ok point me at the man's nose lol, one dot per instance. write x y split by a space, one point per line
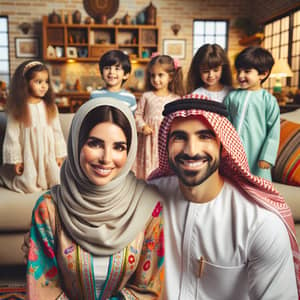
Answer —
191 147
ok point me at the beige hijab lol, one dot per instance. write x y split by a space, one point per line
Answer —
102 219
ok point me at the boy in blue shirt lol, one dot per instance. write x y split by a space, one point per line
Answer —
254 112
115 69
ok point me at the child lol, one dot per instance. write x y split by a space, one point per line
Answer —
163 81
33 142
254 112
115 69
210 73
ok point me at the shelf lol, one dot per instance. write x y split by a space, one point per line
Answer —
97 39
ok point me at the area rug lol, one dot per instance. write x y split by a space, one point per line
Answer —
12 293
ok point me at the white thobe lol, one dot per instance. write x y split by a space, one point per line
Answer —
246 248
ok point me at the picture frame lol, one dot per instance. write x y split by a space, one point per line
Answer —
27 47
71 52
174 48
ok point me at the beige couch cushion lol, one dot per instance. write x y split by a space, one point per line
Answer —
292 197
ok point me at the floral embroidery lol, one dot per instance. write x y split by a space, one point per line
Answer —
69 249
146 265
51 273
131 259
157 210
48 250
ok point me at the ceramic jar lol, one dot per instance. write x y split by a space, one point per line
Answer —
151 14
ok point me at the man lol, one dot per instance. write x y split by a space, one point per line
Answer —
228 234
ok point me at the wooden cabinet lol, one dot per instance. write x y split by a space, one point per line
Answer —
87 42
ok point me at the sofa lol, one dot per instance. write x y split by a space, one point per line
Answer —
16 208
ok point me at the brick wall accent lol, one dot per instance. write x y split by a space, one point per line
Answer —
168 11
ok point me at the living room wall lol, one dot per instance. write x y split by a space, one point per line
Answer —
168 11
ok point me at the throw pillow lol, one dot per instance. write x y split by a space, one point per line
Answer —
287 166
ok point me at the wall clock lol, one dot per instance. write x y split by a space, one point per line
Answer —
98 8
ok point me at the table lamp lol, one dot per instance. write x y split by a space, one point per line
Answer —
280 69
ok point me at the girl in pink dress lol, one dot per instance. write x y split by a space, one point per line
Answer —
163 83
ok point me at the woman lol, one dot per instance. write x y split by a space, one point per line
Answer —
98 235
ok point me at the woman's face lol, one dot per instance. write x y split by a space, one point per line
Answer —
104 154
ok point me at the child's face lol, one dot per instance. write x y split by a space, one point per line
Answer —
39 84
249 79
113 77
211 77
159 78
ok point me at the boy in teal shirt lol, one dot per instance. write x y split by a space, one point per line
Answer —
254 112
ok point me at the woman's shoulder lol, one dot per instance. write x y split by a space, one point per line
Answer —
45 200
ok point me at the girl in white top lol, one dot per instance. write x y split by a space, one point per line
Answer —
33 144
210 73
163 83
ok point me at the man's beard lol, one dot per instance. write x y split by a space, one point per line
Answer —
193 178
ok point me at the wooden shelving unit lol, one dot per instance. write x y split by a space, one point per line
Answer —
87 42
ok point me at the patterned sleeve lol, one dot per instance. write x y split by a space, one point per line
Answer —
42 278
60 144
139 114
148 280
12 146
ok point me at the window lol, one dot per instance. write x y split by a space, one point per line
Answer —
282 38
210 32
4 51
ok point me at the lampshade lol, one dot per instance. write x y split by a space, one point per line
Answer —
281 69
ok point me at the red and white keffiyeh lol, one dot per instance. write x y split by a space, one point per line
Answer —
233 166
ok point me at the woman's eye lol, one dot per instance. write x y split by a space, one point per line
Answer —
94 144
121 147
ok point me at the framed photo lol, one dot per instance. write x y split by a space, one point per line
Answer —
27 47
71 52
174 48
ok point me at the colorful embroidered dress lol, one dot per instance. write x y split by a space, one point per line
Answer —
63 270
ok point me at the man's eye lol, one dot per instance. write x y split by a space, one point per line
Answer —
206 136
179 137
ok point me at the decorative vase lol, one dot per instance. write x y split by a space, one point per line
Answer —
54 18
151 14
76 17
127 19
140 18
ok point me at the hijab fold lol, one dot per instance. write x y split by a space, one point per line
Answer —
102 219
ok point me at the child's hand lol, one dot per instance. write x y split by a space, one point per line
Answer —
59 161
19 168
147 130
263 164
25 246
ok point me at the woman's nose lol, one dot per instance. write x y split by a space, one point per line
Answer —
105 155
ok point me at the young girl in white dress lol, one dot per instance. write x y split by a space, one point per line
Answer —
210 75
163 83
34 144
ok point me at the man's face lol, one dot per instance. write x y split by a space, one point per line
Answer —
193 150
